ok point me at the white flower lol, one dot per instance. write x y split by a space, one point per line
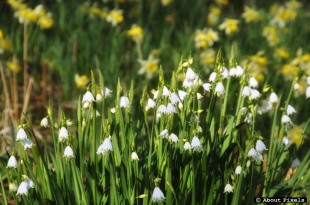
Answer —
134 156
124 102
158 195
228 188
171 109
239 71
212 77
260 146
88 97
182 94
199 96
243 110
255 94
150 104
308 92
162 109
273 98
155 94
63 134
27 144
286 141
44 122
290 110
166 92
246 91
296 87
248 118
23 189
232 72
196 145
21 135
105 147
30 183
98 97
12 187
12 162
207 86
164 133
308 80
238 170
187 146
68 153
252 152
190 74
219 89
285 119
225 73
113 110
173 138
253 82
106 92
174 98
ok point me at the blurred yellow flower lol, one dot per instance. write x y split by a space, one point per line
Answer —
290 71
251 15
26 16
40 11
5 44
166 2
222 2
135 33
282 53
293 5
214 15
207 57
149 66
271 34
94 10
46 22
81 81
257 65
115 17
230 26
295 135
13 66
283 15
16 4
205 38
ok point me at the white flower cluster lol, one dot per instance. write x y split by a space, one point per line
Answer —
22 136
256 154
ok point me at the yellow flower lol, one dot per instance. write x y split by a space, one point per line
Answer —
166 2
290 71
17 5
13 66
26 16
293 5
296 135
149 66
257 65
282 53
222 2
94 10
251 15
81 81
205 38
136 33
230 26
271 34
207 57
39 11
214 15
283 16
5 43
46 22
115 17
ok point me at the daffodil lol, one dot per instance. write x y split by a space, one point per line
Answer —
251 15
230 26
115 17
136 33
81 81
149 66
205 38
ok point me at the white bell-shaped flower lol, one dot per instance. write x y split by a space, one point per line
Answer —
68 153
187 146
63 134
246 92
260 146
21 135
124 102
219 89
12 162
212 77
105 147
182 94
273 98
196 144
253 82
228 188
158 195
238 170
134 156
27 143
44 122
207 86
290 110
